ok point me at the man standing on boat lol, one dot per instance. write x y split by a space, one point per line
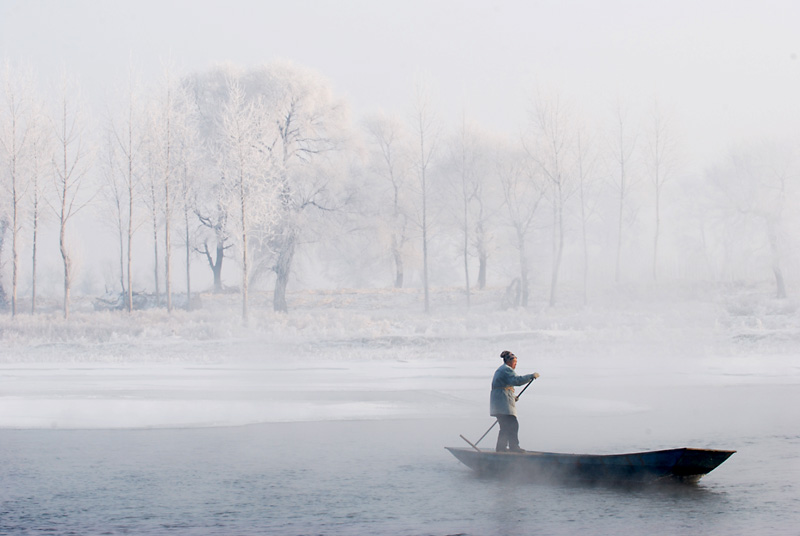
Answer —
502 403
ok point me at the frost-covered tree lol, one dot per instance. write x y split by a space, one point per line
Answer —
660 162
187 176
389 161
485 205
151 198
588 185
164 126
71 164
467 165
523 190
426 127
3 227
551 146
168 115
14 151
113 197
248 136
207 94
40 155
310 122
622 181
124 173
753 186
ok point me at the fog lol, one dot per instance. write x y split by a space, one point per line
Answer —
397 192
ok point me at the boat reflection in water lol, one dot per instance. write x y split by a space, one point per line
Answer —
681 464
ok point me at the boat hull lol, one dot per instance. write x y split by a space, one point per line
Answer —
682 464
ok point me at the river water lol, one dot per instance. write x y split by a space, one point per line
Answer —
365 454
372 477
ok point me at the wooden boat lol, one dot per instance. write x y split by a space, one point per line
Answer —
681 464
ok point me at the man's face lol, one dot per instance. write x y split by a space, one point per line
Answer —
512 362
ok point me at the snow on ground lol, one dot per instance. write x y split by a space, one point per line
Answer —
374 354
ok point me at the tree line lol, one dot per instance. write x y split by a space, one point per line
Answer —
255 165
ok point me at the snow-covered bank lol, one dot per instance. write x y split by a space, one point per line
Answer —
744 317
390 324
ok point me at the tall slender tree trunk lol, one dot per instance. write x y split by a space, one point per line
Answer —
398 262
121 238
13 146
623 190
34 242
167 251
188 258
558 246
657 231
245 276
424 179
425 241
482 262
553 269
128 288
424 125
584 239
130 241
619 225
523 268
287 239
64 216
483 255
466 266
780 285
167 221
155 241
68 176
585 250
217 266
14 232
37 150
282 269
398 239
3 227
65 257
466 251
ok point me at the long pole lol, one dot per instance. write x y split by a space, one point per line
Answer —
487 431
475 445
516 398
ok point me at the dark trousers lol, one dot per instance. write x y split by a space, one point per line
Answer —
508 438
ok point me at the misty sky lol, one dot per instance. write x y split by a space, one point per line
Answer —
727 72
